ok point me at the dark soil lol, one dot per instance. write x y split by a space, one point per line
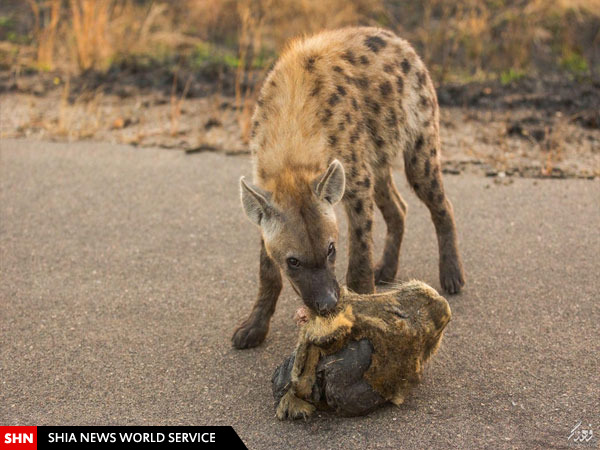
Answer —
549 95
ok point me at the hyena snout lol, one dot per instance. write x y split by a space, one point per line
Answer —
327 303
323 294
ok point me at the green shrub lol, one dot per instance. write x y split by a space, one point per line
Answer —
511 75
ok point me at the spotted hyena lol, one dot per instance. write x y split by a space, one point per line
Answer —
333 114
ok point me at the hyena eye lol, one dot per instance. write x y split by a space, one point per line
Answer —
331 250
293 263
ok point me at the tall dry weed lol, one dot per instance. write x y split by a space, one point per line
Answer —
46 18
176 103
79 35
90 20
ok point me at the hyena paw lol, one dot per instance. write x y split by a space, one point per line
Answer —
384 274
249 334
451 277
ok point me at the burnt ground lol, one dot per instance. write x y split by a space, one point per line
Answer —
529 128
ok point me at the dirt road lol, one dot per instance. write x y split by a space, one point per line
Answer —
124 272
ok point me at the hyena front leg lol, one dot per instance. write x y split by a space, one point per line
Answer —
423 171
358 202
393 210
253 330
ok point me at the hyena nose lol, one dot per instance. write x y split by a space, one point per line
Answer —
327 303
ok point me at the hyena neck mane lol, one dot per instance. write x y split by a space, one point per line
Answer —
288 138
293 186
293 193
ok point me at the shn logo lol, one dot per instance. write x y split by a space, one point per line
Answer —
18 438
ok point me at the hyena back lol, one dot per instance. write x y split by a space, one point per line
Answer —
332 115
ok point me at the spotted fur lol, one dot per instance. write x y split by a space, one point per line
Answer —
361 96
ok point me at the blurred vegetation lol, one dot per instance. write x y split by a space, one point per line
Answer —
460 40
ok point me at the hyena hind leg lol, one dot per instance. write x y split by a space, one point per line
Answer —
393 210
424 175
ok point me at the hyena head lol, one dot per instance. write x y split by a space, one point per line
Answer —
300 232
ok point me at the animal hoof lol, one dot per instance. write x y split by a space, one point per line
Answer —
249 335
452 278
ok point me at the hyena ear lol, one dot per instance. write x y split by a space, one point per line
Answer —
255 202
330 186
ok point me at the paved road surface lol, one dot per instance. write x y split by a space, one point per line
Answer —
125 270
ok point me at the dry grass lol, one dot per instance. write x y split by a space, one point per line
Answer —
45 35
78 35
459 39
76 118
90 20
79 119
249 39
176 103
468 39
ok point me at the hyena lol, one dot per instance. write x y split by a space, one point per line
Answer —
331 117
